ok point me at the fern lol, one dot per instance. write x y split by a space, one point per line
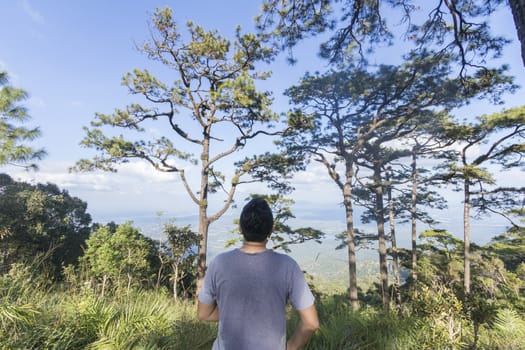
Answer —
12 317
508 322
506 332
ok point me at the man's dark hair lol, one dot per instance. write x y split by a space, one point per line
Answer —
256 220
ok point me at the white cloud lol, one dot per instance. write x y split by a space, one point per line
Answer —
315 178
32 13
135 188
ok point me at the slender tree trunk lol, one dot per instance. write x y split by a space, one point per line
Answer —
395 257
128 274
159 276
104 280
161 268
204 222
466 235
352 262
129 283
118 281
413 215
175 280
380 220
518 12
4 256
203 247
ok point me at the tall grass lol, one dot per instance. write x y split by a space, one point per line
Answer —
342 328
374 329
141 320
36 315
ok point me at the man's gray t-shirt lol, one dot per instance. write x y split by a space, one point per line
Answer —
251 291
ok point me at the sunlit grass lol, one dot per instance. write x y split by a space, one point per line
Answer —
140 320
55 317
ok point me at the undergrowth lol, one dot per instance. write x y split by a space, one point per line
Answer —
38 315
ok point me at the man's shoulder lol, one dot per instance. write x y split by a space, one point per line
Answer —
283 257
235 254
225 255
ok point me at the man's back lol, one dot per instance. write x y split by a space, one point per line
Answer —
251 291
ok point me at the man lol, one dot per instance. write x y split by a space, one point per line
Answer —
246 290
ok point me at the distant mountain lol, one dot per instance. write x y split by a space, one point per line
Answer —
323 261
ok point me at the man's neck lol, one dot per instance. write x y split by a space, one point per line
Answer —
253 247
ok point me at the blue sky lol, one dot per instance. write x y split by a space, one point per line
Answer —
70 57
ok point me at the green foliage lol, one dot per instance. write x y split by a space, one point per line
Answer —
21 290
510 247
371 329
274 169
14 139
350 118
354 29
35 314
215 85
181 256
98 253
40 218
440 315
500 142
506 333
211 108
52 317
16 317
140 320
122 255
464 320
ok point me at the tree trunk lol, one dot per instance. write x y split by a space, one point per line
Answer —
380 220
4 266
128 273
161 268
204 222
414 222
518 12
395 258
118 281
175 280
203 246
130 278
466 235
104 280
159 274
352 263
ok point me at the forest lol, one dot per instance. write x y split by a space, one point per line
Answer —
389 137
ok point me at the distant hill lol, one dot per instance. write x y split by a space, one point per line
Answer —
323 262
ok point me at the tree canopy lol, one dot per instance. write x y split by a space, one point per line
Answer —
211 108
15 138
41 219
358 27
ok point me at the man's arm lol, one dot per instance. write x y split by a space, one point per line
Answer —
208 312
308 324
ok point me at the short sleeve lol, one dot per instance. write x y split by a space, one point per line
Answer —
300 295
208 294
